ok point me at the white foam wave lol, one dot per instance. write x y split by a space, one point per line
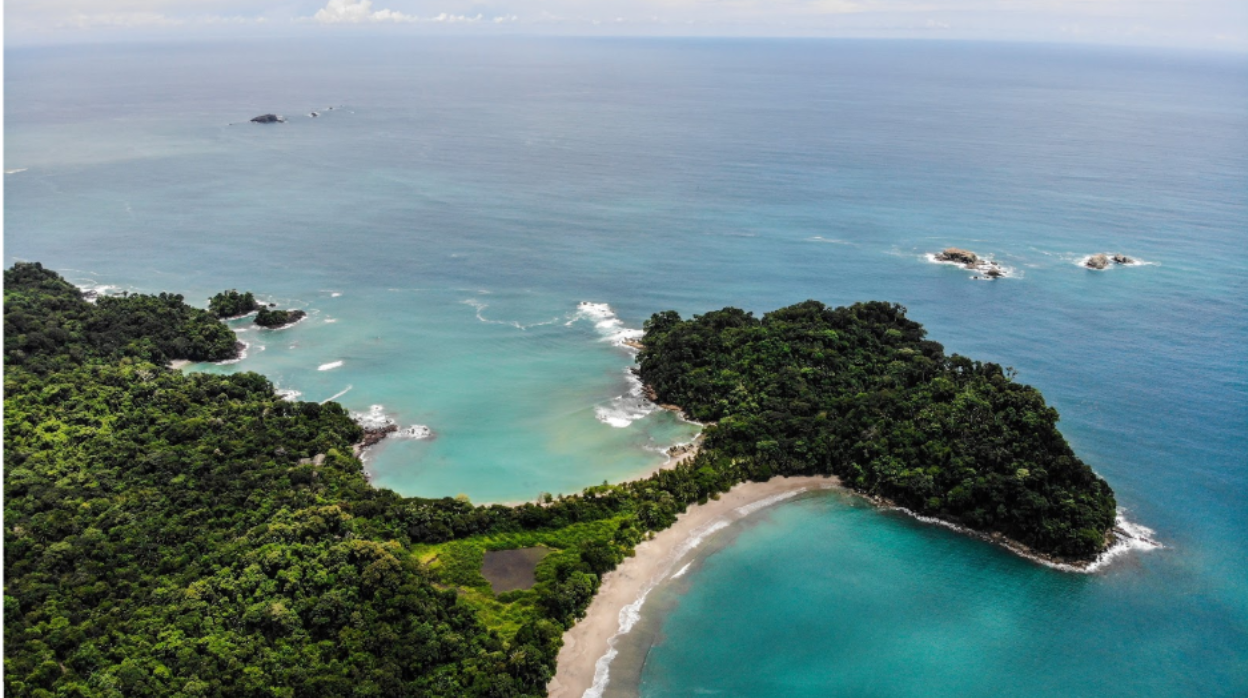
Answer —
480 308
1128 536
374 418
329 366
289 394
15 170
331 319
607 324
335 294
833 241
93 292
416 431
767 501
338 394
242 354
697 536
631 613
681 572
625 409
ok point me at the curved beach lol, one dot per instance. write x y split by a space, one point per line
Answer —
591 639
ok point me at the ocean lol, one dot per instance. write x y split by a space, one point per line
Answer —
476 224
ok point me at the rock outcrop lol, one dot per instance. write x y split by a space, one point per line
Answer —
1097 261
972 261
267 119
960 256
1101 260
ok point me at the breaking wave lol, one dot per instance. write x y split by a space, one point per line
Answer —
606 322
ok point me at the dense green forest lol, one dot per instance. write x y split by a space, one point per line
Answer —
231 303
859 392
278 318
175 535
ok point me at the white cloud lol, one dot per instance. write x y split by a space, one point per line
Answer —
455 19
356 12
82 20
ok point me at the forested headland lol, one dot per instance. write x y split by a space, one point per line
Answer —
172 534
860 393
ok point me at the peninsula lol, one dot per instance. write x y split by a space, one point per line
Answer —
196 534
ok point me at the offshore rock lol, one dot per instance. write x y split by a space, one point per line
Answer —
268 119
1097 261
954 254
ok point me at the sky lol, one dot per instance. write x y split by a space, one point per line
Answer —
1199 24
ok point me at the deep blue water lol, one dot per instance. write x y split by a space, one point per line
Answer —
465 196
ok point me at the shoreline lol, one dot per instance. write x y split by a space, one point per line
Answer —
588 647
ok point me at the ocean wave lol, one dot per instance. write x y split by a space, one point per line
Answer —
480 308
681 572
331 319
338 394
329 366
766 502
606 323
93 292
625 409
374 418
832 241
1130 536
418 432
288 394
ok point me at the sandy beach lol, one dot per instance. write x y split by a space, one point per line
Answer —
590 639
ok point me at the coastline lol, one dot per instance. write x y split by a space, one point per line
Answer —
591 640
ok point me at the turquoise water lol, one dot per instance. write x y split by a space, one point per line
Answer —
464 197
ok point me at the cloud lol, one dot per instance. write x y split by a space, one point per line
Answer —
82 20
356 12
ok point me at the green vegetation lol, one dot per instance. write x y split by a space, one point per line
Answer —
231 303
171 535
166 534
278 318
48 326
859 393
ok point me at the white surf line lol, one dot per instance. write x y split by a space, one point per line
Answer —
1130 536
338 395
